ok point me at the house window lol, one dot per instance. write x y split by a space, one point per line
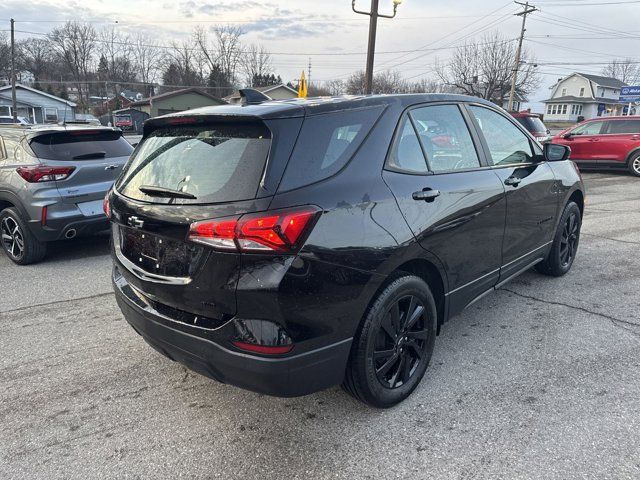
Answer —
549 109
582 92
564 109
564 92
579 109
51 115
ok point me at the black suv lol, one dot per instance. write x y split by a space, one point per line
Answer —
288 246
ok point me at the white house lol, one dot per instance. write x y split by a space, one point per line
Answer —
37 106
276 92
582 96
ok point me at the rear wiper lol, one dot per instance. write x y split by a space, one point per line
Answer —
89 156
165 192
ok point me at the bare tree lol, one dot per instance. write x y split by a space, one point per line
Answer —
115 52
75 44
336 87
5 58
35 56
627 70
229 50
429 86
389 81
182 66
255 63
146 57
484 69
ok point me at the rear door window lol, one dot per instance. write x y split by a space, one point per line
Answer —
624 126
214 163
325 145
407 155
445 138
80 145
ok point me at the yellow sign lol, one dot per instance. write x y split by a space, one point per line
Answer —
302 86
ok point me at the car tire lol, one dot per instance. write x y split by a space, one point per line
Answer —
634 164
393 346
565 243
20 245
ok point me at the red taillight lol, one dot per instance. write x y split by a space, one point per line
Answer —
106 207
217 233
43 216
43 173
264 349
277 231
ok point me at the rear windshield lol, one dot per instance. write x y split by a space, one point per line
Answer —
325 145
80 145
532 124
213 163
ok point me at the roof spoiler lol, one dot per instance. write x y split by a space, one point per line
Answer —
250 96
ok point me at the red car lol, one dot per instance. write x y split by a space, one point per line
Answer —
533 124
611 142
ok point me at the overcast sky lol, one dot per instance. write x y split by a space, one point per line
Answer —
565 33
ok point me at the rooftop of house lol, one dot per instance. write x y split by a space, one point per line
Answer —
175 93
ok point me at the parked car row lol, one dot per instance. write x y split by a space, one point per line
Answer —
287 246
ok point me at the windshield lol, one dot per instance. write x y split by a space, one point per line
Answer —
213 163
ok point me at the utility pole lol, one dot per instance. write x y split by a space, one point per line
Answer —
309 74
514 78
373 27
14 102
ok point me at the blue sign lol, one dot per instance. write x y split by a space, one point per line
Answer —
630 94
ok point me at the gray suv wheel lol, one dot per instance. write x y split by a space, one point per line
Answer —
17 241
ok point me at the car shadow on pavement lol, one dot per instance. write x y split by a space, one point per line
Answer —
81 247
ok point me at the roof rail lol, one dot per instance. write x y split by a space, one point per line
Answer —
250 96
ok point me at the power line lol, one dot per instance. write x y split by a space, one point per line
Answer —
453 33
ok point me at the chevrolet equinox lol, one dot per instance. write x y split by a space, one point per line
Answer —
288 246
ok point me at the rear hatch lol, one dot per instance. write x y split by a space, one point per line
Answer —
185 171
97 157
534 125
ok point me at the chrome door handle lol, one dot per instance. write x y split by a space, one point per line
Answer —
110 167
513 181
427 195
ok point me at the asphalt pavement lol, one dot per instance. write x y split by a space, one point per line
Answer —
538 380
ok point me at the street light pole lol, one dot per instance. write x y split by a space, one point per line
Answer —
373 27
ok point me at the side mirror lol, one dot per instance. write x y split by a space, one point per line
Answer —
567 135
556 153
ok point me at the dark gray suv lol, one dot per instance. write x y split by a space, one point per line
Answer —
53 180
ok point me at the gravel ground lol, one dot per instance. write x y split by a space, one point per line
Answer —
539 380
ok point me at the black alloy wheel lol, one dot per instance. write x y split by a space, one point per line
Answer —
569 240
565 243
400 342
393 346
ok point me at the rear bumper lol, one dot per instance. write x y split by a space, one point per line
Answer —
57 229
287 376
